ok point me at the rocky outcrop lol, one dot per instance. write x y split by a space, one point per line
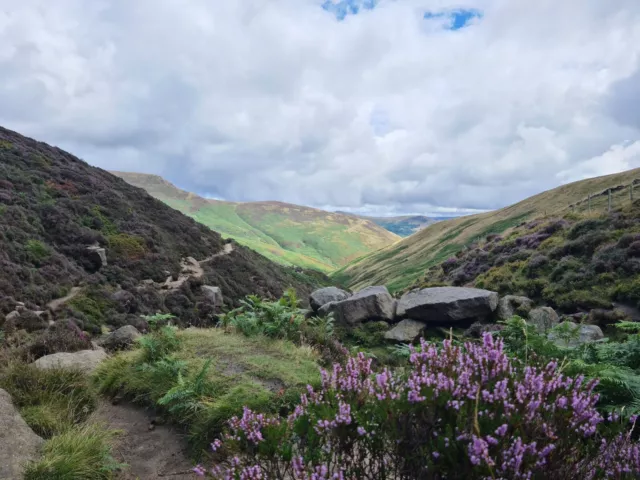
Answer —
543 318
18 444
322 296
85 360
447 305
369 304
97 256
407 331
213 295
511 305
576 335
122 338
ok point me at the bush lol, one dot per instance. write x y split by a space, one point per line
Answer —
129 247
37 251
159 344
460 412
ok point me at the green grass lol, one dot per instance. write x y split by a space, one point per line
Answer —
265 374
81 453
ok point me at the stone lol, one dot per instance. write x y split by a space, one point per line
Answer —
27 320
478 329
511 305
584 334
85 360
447 305
326 309
371 303
97 255
322 296
122 338
543 318
18 443
213 295
125 301
12 316
407 331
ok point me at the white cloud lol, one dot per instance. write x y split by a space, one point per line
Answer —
276 99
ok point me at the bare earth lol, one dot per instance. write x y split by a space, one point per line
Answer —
150 454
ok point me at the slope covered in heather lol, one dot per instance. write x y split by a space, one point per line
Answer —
286 233
53 206
400 265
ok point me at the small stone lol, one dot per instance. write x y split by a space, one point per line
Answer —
406 331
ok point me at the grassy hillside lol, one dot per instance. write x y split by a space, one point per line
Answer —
400 265
288 234
53 206
403 225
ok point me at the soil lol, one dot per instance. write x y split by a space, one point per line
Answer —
151 452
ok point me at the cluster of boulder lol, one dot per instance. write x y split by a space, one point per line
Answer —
474 309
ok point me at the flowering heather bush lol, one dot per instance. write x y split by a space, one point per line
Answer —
458 412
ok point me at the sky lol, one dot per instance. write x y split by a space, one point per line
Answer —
371 106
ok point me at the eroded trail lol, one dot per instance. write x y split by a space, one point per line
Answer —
149 454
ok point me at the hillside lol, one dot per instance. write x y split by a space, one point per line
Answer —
403 225
400 265
288 234
53 207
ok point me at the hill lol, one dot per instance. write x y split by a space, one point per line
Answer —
400 265
59 217
403 225
288 234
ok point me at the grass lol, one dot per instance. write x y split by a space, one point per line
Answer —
265 374
81 453
424 249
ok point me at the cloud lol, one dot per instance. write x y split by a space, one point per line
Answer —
377 108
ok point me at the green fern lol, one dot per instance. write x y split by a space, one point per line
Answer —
188 396
628 327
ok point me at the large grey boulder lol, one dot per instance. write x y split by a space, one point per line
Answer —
543 318
371 303
97 255
406 331
511 305
577 334
213 294
85 360
125 301
322 296
18 444
447 305
122 338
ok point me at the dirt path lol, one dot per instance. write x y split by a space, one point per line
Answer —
192 268
228 248
150 454
54 305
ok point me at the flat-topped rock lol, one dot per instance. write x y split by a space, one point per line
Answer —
447 305
122 338
406 331
322 296
369 304
85 360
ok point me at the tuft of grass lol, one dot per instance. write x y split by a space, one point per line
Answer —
82 453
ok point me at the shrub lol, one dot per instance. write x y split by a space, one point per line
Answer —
37 251
129 247
460 412
159 344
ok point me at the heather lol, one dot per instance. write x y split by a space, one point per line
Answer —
458 411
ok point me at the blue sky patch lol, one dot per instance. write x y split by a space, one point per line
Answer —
342 8
456 19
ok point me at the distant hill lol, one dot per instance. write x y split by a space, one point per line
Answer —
289 234
54 206
403 225
400 265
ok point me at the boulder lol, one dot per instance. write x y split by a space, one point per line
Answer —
97 255
407 331
371 303
12 316
322 296
543 318
447 305
85 360
511 305
122 338
326 309
579 334
478 329
213 295
125 301
19 445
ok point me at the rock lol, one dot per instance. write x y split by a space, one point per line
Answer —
27 320
11 316
98 256
584 334
447 305
322 296
511 305
125 301
407 331
371 303
19 445
85 360
543 318
478 329
122 338
213 294
326 309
